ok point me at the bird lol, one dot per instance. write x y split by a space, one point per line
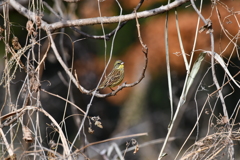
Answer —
115 77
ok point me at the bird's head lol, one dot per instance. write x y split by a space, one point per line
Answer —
119 64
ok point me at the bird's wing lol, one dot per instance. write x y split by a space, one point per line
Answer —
114 76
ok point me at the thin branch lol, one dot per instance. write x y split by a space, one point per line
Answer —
55 95
112 139
148 143
98 20
8 147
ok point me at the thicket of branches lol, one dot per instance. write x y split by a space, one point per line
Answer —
48 28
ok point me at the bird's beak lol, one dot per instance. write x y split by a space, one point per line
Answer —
122 63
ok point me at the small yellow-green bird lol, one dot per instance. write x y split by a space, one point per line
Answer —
115 77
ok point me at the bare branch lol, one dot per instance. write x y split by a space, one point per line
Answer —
112 139
115 19
98 20
64 100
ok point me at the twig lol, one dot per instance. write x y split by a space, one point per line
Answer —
11 120
64 100
8 147
148 143
225 84
111 139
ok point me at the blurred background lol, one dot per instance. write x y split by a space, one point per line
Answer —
144 108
